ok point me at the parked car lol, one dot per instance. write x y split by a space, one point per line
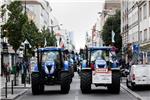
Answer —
139 75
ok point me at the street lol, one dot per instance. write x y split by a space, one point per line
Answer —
98 93
83 49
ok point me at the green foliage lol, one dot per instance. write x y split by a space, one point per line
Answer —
3 10
50 38
18 29
112 23
14 24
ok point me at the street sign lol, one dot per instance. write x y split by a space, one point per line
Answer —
136 48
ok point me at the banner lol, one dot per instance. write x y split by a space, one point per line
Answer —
113 36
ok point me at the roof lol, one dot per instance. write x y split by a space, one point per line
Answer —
50 49
101 48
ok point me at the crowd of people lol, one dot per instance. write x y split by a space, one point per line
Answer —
17 69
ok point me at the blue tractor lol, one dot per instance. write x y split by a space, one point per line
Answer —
51 69
100 68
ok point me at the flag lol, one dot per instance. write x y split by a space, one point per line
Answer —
112 36
94 31
61 43
45 43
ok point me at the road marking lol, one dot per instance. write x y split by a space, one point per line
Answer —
77 92
76 98
137 96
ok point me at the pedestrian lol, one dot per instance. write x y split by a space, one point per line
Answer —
8 72
3 70
17 69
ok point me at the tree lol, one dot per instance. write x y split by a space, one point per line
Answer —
3 10
14 25
112 23
50 38
31 33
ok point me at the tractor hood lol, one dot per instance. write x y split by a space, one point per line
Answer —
49 67
100 63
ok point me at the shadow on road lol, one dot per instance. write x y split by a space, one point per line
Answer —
142 88
52 92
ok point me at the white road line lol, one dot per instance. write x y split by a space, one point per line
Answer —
77 92
137 96
76 98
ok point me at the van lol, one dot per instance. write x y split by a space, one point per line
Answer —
139 75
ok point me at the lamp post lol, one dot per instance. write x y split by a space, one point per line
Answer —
26 46
53 26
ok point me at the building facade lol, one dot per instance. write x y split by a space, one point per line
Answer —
135 25
109 9
144 29
37 10
7 53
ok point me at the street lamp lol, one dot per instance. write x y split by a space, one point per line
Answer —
26 46
52 27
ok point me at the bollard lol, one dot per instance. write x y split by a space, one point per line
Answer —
29 78
15 83
6 89
23 78
25 83
12 91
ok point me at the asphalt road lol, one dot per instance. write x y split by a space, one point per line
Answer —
142 91
98 93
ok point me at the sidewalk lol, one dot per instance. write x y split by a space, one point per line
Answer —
18 90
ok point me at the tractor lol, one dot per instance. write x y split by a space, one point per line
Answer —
51 69
101 68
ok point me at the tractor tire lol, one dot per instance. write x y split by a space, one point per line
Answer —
133 86
85 81
41 88
115 86
65 82
35 83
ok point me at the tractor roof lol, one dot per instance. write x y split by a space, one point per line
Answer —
100 48
50 49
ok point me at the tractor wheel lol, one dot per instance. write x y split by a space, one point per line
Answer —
115 86
85 82
65 82
35 84
41 88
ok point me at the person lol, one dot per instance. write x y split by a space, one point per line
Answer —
57 61
3 70
8 71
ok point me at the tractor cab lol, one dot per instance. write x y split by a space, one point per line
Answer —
51 69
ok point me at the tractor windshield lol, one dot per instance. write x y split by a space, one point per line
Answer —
103 54
49 56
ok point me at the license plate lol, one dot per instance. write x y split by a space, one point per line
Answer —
102 76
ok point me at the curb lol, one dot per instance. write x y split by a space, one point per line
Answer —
15 96
137 96
18 87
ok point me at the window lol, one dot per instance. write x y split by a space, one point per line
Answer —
140 14
145 34
140 36
144 11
